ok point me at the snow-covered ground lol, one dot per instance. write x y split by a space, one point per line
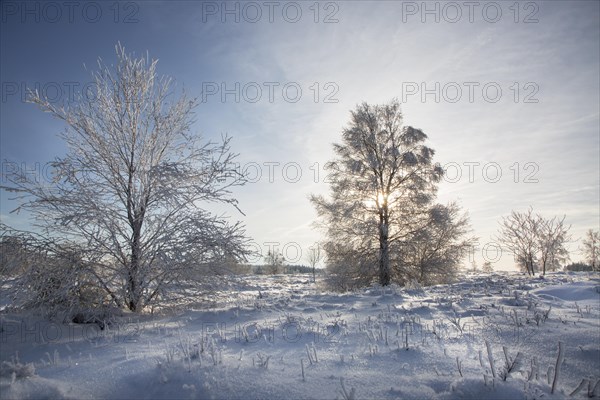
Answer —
282 337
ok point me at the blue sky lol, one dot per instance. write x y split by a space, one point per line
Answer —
498 88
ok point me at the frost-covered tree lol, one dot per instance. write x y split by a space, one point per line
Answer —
348 267
383 181
434 253
519 233
552 237
487 267
134 183
313 258
274 262
591 249
535 240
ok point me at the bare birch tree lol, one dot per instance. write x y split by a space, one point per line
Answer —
553 234
134 184
313 258
535 240
519 233
591 249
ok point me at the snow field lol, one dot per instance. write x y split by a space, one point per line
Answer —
284 337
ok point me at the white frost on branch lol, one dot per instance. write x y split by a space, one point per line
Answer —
134 182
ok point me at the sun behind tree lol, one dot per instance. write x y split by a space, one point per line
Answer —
383 184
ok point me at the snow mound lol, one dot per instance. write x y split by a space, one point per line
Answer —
576 291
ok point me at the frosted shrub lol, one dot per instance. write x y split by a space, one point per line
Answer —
14 369
53 276
413 284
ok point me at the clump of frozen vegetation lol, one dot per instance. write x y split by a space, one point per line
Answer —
14 369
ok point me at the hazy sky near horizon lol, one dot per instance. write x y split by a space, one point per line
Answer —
507 92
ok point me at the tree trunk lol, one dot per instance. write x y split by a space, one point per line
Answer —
133 284
528 266
544 267
132 302
384 255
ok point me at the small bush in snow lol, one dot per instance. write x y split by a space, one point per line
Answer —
14 369
263 360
